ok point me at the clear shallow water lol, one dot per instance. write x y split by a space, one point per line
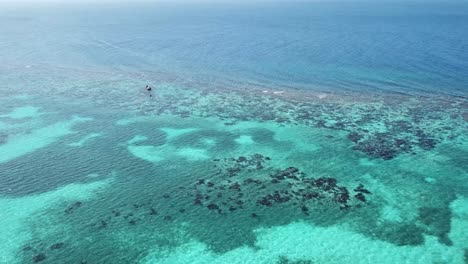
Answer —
271 135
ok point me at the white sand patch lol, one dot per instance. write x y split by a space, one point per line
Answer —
209 142
245 140
85 139
331 245
93 175
459 227
160 153
19 145
14 228
390 214
176 132
193 154
22 97
430 180
136 139
322 96
23 112
304 138
148 153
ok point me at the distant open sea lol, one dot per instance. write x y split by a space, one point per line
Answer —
267 132
395 47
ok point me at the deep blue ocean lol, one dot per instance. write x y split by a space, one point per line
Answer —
372 46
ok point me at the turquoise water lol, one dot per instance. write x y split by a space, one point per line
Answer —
300 133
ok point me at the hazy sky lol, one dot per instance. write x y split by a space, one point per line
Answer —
233 1
22 2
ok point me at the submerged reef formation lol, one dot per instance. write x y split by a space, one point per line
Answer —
39 253
232 166
250 187
382 127
245 186
287 187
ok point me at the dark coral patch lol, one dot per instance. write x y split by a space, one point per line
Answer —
57 246
361 189
264 201
342 196
73 207
213 206
427 143
39 258
198 199
235 186
378 146
201 181
291 173
309 196
354 137
102 224
325 184
234 166
360 197
153 211
116 213
27 248
284 186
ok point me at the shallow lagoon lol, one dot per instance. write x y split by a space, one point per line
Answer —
210 176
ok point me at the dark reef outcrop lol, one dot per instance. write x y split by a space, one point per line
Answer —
286 187
73 207
39 257
233 166
57 246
